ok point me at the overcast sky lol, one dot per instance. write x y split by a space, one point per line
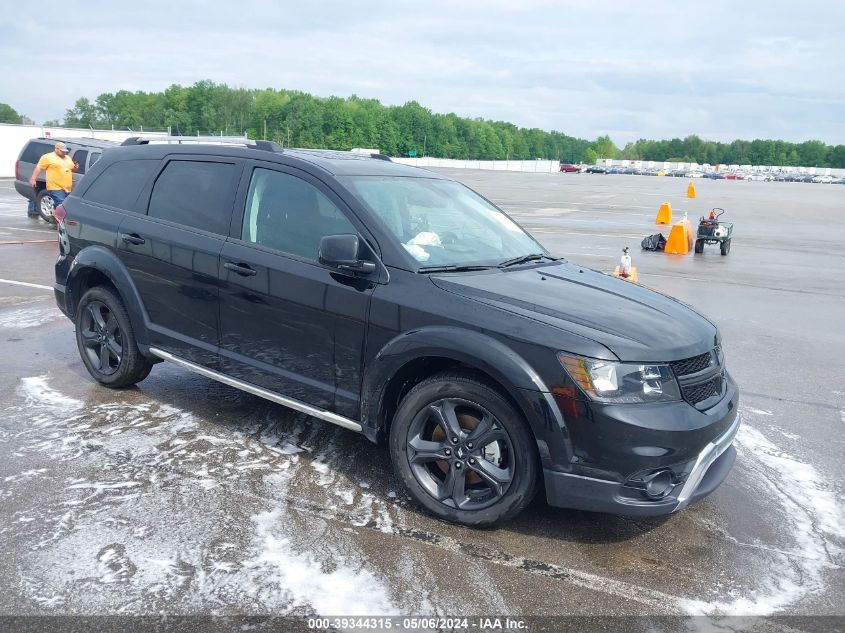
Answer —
719 69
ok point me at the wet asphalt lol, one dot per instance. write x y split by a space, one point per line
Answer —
184 496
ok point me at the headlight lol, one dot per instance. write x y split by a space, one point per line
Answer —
618 383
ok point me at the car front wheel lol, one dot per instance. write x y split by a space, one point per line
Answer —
463 451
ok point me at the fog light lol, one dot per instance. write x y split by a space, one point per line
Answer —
658 484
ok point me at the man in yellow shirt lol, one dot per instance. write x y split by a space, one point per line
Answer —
59 168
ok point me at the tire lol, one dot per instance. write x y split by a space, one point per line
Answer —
699 246
106 341
494 481
44 206
725 246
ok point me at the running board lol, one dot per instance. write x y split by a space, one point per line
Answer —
328 416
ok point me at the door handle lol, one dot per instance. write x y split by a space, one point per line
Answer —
132 238
242 269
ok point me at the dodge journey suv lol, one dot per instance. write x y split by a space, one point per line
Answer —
397 303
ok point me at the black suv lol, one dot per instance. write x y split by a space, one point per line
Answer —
398 303
84 151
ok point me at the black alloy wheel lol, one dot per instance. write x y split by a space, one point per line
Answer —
106 340
102 338
463 450
460 454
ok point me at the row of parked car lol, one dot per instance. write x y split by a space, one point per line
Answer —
715 175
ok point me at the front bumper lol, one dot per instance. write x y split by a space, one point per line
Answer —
698 477
615 449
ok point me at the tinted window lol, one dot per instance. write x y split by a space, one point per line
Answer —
36 150
289 214
80 156
121 182
195 194
94 158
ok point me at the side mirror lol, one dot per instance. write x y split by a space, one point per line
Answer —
341 252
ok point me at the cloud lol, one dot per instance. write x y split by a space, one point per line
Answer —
721 70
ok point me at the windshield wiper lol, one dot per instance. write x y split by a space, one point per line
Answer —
523 259
451 268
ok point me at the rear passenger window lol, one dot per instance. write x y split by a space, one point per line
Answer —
81 156
196 194
94 158
34 151
121 182
288 214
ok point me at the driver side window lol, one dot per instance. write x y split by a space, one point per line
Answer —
290 215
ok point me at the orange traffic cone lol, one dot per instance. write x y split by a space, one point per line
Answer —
690 190
680 238
664 214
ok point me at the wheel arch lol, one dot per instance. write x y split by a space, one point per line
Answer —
412 357
95 266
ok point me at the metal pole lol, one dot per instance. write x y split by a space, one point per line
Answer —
265 129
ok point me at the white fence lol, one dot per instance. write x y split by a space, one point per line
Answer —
533 166
14 137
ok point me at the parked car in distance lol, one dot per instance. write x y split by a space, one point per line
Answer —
825 180
569 169
595 169
85 151
397 303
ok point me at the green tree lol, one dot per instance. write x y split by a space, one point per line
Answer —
83 114
295 118
8 114
605 148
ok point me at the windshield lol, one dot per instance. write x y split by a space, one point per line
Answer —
442 222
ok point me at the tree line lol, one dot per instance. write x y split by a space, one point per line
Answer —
297 119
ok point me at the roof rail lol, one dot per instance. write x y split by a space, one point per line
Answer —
267 146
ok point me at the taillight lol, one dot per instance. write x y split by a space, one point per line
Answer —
59 214
17 170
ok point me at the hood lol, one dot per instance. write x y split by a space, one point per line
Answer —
634 323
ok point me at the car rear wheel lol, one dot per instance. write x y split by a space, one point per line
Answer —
463 451
44 205
106 341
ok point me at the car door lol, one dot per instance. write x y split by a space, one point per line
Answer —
172 252
288 323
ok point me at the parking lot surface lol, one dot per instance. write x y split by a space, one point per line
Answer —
186 496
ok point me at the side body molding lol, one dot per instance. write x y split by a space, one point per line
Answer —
473 349
106 262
